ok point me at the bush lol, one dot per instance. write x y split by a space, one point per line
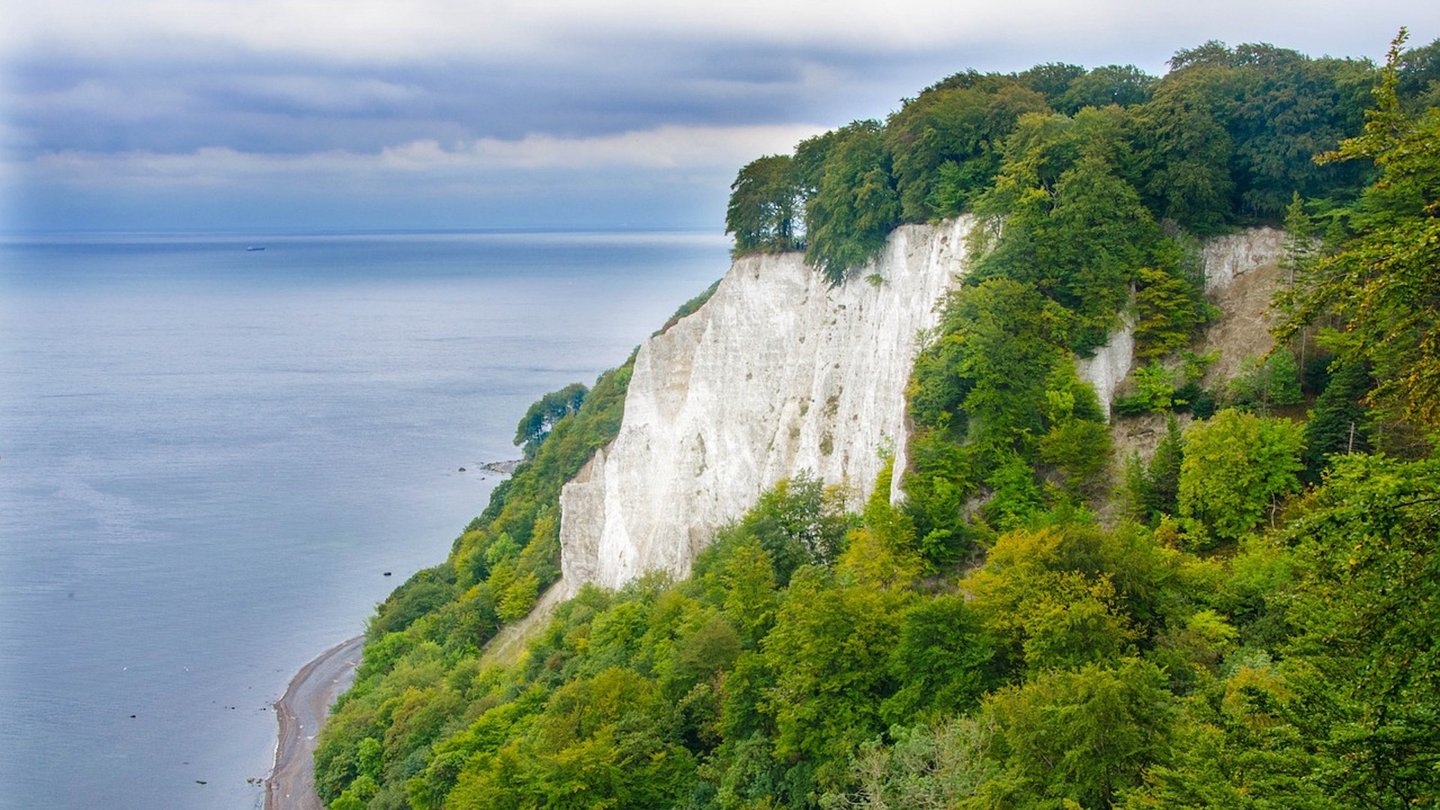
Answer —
1236 466
1268 383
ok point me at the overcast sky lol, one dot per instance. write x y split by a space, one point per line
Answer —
222 114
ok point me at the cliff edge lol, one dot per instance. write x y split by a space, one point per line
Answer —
777 374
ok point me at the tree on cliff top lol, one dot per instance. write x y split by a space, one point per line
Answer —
854 205
764 205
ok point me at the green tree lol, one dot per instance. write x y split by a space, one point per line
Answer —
1168 311
749 597
1419 77
1083 736
935 766
764 206
1339 424
1070 593
1233 748
882 553
1125 85
946 144
1267 383
1078 440
600 742
1068 221
1237 465
1383 284
854 205
942 662
828 651
797 524
1052 79
1003 339
1365 662
1289 109
543 415
1153 487
1185 147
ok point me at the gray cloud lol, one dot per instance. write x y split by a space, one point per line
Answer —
270 110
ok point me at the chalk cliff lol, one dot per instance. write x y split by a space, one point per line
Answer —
1233 261
1233 255
778 373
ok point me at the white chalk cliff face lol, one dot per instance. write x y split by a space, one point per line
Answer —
776 374
1224 259
1109 365
1233 255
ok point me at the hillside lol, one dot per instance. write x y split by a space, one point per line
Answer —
983 479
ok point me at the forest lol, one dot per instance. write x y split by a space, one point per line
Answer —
1246 615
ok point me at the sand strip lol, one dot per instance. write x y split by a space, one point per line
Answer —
303 708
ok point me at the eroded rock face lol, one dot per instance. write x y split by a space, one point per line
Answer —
1109 365
1232 264
1227 257
1243 272
777 374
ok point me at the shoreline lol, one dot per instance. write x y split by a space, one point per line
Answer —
300 711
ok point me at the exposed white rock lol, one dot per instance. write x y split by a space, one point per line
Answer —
1243 272
776 374
1225 259
1236 254
1109 365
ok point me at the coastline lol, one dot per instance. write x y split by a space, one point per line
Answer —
300 711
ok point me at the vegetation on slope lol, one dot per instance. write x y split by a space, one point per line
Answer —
1263 632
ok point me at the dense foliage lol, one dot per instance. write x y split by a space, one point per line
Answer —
1261 631
436 623
1226 137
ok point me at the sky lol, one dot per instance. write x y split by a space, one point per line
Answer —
275 114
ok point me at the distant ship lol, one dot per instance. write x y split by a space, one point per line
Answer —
255 247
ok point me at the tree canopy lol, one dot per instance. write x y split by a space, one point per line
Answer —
1251 620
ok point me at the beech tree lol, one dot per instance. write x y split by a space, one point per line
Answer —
764 206
545 413
1125 85
1116 721
855 204
1236 467
946 144
1185 149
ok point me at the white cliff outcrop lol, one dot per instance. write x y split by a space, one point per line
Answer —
1229 261
776 374
1233 255
1242 273
1110 364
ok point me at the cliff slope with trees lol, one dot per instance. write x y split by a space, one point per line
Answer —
1245 612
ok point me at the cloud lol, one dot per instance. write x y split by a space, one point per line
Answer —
663 148
501 31
440 96
667 147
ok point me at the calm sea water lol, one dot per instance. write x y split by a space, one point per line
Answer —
209 456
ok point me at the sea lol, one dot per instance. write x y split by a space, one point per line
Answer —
219 452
